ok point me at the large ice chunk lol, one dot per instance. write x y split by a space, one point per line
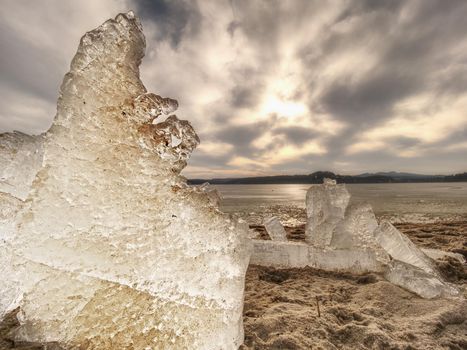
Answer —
297 254
356 229
20 159
325 205
111 249
437 254
333 225
9 207
401 248
213 194
416 280
411 268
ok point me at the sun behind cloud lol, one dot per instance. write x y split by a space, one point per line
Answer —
293 87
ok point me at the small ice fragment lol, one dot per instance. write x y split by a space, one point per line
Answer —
275 229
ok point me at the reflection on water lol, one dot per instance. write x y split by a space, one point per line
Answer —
425 198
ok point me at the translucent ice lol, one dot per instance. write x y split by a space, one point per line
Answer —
111 249
418 281
437 254
20 159
212 193
333 227
275 229
356 229
325 205
401 248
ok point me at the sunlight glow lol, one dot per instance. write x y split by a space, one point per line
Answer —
288 109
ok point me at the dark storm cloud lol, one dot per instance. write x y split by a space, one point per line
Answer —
249 82
360 7
243 136
410 56
296 134
422 44
454 81
245 96
174 19
403 142
249 86
258 21
232 27
370 100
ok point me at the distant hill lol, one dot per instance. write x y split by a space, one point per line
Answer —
317 177
400 175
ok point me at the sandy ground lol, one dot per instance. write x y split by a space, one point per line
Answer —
449 236
355 312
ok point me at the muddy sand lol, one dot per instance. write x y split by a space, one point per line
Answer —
355 312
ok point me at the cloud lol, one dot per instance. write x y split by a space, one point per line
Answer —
271 86
243 137
296 135
370 100
176 19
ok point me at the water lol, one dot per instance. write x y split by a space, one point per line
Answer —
403 198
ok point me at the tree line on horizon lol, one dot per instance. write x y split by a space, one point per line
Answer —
318 176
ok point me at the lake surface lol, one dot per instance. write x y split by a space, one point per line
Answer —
401 198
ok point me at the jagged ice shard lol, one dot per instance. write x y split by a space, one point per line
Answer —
335 226
275 229
325 207
105 246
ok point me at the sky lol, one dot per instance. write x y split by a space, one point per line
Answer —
271 87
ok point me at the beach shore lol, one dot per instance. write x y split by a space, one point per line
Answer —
312 309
